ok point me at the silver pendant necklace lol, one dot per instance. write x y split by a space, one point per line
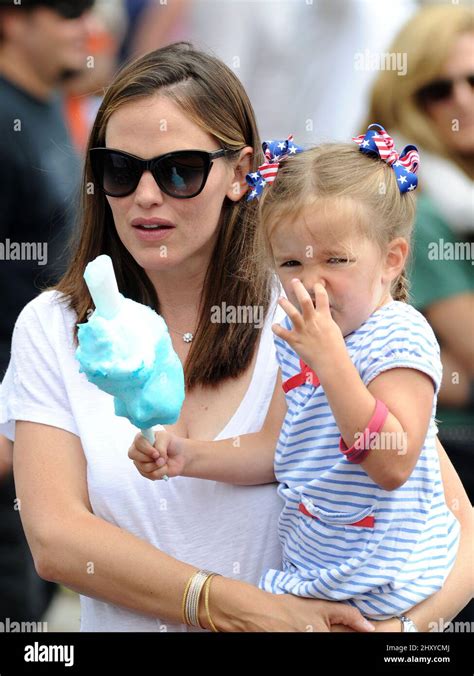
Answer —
187 337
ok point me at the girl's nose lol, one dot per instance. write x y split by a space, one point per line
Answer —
310 280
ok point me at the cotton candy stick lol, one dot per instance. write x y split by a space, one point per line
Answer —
100 278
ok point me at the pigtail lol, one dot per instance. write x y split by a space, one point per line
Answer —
400 289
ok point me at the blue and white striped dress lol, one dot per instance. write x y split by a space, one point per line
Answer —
407 554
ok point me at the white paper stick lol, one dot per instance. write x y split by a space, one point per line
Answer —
149 435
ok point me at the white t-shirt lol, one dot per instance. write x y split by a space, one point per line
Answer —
231 530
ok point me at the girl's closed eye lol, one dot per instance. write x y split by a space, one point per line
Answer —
334 260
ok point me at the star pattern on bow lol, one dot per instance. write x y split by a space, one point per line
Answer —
274 152
376 141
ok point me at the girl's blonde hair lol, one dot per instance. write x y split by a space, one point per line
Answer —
338 175
427 40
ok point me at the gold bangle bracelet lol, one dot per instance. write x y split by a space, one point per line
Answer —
192 595
185 595
206 602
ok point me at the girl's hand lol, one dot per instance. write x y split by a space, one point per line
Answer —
166 457
315 337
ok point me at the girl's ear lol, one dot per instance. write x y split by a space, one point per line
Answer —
238 185
395 258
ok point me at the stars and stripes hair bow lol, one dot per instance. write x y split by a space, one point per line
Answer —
377 141
275 152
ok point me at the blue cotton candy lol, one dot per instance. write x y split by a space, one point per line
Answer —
131 357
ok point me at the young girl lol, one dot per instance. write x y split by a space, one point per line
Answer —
364 516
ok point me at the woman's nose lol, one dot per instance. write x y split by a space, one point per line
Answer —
463 94
148 191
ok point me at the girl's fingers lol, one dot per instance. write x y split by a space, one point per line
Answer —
282 333
322 299
143 445
151 473
145 467
304 299
292 312
135 454
160 447
155 458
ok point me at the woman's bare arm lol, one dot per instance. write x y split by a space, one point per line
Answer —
452 319
458 589
6 456
86 553
71 545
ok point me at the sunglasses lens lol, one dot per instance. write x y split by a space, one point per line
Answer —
179 174
182 174
117 174
436 91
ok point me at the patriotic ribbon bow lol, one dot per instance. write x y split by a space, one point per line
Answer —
377 141
275 152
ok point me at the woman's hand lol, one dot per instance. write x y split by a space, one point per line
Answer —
247 609
391 625
313 615
166 458
237 606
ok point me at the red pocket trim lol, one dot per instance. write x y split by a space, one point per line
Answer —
366 522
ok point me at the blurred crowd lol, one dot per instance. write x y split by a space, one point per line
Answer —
321 71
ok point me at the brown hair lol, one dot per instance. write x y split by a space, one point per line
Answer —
337 175
427 40
209 93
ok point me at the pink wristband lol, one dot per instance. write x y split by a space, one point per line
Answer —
358 452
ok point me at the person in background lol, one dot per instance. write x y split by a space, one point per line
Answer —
42 44
308 66
433 106
84 92
154 24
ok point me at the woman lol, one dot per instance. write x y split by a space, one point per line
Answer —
130 546
433 106
433 103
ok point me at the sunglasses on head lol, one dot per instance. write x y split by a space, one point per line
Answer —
441 89
181 174
67 9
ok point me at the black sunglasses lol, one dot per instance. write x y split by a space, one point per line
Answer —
442 89
68 9
181 174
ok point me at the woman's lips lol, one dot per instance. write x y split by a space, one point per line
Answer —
152 235
152 229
